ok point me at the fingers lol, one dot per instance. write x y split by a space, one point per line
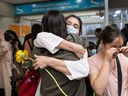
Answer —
83 50
110 53
39 62
114 52
36 56
124 49
36 67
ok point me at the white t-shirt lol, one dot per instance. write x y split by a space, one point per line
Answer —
78 69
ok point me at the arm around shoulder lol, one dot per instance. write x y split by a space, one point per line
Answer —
53 43
48 41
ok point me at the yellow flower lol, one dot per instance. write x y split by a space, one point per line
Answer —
21 56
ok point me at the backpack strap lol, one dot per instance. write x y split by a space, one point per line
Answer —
119 73
30 45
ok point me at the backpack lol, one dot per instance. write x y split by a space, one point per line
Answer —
29 84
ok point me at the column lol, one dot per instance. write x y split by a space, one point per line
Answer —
106 16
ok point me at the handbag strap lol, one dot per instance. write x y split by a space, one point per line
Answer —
119 72
30 45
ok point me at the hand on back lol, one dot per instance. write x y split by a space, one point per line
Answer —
79 50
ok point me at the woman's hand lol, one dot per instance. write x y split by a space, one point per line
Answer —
41 62
124 50
73 47
44 61
79 50
110 53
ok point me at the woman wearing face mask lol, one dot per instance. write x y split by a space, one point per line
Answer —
91 49
103 66
74 26
54 23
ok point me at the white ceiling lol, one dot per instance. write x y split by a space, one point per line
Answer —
21 1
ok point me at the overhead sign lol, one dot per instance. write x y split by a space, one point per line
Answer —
62 5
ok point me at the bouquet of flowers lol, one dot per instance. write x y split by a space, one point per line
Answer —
29 83
22 57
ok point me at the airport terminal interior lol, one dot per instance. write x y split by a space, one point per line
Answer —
19 16
92 18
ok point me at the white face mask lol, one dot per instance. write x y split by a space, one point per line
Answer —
71 29
93 51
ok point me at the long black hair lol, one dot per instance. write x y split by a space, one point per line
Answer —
53 21
11 36
36 28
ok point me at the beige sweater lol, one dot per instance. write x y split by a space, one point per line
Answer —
5 67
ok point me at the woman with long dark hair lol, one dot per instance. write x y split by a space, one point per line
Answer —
15 44
55 23
11 36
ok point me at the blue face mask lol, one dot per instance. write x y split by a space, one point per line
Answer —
93 51
71 29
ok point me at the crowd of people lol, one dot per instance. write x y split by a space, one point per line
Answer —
67 64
